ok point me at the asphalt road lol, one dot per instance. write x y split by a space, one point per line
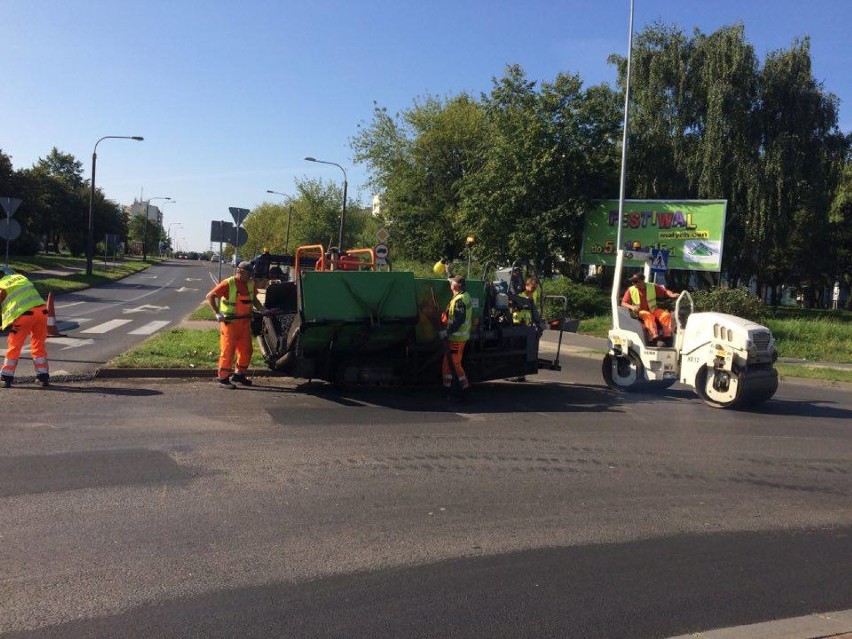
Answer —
101 323
142 508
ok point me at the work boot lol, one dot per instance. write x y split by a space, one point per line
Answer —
7 381
224 382
240 378
43 379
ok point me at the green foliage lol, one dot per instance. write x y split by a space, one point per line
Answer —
313 215
584 301
813 339
179 348
418 160
734 301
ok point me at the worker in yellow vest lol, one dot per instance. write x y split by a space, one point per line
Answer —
457 333
641 298
24 313
232 301
533 293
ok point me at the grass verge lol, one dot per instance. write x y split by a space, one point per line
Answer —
178 348
73 277
203 312
813 372
817 340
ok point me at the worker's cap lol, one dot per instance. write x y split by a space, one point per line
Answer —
248 267
637 277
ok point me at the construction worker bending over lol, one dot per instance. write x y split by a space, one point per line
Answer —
457 333
641 298
25 314
232 301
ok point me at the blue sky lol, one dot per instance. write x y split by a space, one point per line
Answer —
231 96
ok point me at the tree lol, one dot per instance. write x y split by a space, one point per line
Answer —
417 161
548 152
708 122
316 210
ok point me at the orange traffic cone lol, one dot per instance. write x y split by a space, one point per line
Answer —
52 331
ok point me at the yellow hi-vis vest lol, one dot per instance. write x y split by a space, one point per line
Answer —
650 295
525 316
228 305
463 332
21 296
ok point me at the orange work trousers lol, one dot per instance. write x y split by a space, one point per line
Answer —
234 337
32 324
650 318
456 350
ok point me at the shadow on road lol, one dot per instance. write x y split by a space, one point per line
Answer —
651 588
95 390
800 408
500 397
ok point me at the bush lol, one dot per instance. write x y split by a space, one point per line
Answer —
734 301
584 301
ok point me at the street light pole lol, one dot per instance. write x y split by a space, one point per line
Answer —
289 219
169 235
90 242
160 232
345 185
145 235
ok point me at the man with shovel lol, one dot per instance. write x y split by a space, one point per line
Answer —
232 300
455 335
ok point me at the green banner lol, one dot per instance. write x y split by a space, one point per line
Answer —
692 231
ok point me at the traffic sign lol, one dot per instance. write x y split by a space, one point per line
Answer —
10 205
238 214
239 236
10 229
382 235
381 251
659 261
221 231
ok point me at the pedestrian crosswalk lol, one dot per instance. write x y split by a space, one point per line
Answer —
106 327
72 329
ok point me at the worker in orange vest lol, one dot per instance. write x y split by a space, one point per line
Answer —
25 315
232 301
641 298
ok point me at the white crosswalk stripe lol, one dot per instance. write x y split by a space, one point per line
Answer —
107 326
150 327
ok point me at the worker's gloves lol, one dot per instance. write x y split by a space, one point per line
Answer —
220 317
443 334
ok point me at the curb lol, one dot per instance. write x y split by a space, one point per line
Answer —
172 373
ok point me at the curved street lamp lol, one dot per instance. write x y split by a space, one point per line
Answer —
145 236
90 243
289 218
345 184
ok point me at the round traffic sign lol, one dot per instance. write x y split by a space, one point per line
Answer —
381 251
10 229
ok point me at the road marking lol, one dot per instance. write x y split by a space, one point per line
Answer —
77 343
150 327
107 326
184 289
143 308
68 305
